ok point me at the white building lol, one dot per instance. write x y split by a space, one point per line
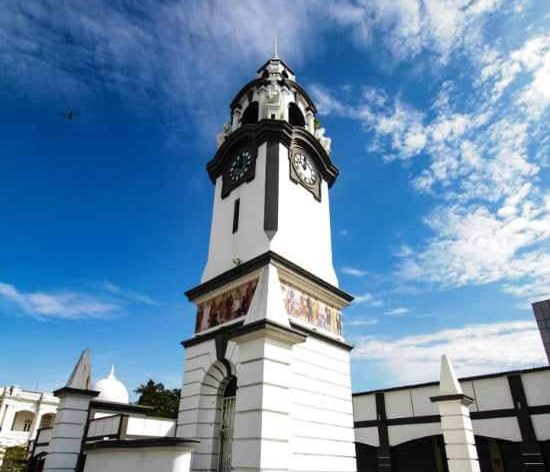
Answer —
22 413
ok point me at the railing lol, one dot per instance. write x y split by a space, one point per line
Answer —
107 427
123 426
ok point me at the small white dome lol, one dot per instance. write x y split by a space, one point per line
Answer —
111 390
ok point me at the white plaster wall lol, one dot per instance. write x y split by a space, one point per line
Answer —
501 428
165 459
541 425
147 427
537 387
493 394
364 407
250 240
303 234
368 436
304 225
422 405
398 404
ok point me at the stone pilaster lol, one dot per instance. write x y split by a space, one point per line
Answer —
69 429
456 424
262 430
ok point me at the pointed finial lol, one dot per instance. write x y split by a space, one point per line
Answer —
112 373
275 52
448 383
81 375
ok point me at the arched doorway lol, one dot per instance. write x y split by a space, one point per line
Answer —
226 426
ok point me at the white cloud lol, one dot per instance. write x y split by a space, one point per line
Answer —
362 322
474 246
400 311
473 349
353 271
479 152
127 294
56 305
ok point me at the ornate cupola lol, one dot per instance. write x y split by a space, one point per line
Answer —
272 172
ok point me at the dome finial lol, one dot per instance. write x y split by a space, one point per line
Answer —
112 373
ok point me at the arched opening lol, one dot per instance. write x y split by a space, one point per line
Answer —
250 115
23 421
420 455
47 420
226 424
367 457
295 116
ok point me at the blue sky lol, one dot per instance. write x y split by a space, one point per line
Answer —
438 111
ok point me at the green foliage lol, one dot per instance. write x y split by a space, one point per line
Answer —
316 123
165 402
14 459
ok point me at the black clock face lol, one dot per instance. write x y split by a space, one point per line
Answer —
305 169
240 165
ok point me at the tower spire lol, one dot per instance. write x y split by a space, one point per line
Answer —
275 44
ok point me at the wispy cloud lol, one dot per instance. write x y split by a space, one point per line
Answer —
397 311
361 322
129 295
71 305
353 271
474 349
369 299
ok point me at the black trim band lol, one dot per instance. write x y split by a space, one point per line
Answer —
270 325
256 263
139 443
321 336
75 391
272 131
271 203
120 407
225 330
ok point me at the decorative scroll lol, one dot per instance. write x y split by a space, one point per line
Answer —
225 307
308 308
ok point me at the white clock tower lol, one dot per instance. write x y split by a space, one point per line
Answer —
267 373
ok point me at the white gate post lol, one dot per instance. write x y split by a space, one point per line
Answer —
456 424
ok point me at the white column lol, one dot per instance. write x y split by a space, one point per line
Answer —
456 424
69 429
262 429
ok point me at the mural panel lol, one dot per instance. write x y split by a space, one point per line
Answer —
225 307
308 308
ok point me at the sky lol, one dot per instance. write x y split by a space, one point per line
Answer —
438 111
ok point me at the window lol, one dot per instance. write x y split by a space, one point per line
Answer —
27 425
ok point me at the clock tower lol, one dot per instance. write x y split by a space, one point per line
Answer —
267 373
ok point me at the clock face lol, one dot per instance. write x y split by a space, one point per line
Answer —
305 169
240 165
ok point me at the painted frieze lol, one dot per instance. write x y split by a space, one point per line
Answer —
308 308
225 307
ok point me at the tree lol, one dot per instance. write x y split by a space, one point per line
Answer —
14 459
165 402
